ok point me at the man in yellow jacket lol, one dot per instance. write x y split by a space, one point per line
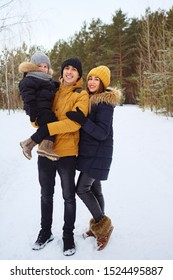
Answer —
68 97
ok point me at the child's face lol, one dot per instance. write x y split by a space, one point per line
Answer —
43 67
70 75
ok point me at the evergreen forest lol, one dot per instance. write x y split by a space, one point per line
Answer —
139 53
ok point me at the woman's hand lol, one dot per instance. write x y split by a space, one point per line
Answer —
77 116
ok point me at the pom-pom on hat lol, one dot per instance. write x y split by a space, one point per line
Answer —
39 57
75 62
103 73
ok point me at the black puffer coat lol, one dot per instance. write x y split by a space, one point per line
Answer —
96 138
37 90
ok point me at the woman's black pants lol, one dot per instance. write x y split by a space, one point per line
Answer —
90 192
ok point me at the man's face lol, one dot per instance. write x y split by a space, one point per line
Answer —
70 75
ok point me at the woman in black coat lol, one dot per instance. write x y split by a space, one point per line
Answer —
96 149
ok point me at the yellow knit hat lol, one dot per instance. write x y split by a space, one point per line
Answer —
103 73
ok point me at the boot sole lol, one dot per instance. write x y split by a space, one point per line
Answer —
37 247
88 234
43 154
69 252
101 244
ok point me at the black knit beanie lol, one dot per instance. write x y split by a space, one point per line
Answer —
75 62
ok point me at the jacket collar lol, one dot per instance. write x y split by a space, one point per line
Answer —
77 85
26 67
111 96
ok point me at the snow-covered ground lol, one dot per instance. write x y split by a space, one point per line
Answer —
138 193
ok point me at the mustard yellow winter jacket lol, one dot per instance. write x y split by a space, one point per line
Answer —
67 99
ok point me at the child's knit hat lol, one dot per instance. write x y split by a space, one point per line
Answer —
75 62
39 57
103 73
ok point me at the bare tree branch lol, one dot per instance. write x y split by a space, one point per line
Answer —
6 4
8 21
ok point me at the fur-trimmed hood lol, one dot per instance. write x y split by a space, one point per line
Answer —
26 67
110 96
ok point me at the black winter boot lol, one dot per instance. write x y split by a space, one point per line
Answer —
42 239
69 248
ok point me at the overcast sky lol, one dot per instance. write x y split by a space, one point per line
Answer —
60 19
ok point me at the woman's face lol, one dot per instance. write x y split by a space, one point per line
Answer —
93 84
